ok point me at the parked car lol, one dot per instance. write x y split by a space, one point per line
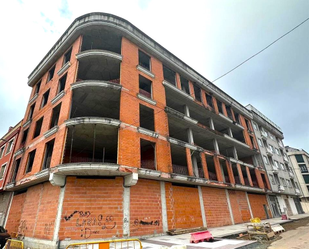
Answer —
3 236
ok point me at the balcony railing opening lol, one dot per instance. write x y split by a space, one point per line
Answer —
253 178
211 168
226 177
245 176
239 136
236 173
95 102
179 160
91 143
103 39
99 68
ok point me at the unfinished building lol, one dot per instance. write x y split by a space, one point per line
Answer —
121 138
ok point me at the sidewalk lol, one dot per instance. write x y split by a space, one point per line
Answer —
218 233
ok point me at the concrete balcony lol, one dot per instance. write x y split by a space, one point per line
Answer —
285 158
281 188
264 134
297 191
275 168
291 174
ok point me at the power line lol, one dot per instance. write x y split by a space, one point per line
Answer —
261 50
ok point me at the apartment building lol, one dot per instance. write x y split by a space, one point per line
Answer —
284 184
300 162
7 148
121 138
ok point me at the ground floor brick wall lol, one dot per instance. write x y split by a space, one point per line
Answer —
239 205
216 207
145 208
183 207
33 213
92 208
15 212
257 202
5 198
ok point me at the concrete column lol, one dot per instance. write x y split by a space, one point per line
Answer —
163 205
8 209
230 132
247 197
195 167
229 205
186 110
58 215
211 124
235 155
216 146
190 136
200 194
126 212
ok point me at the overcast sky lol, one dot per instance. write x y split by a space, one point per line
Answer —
211 36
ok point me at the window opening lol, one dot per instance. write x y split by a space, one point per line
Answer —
62 82
55 116
229 112
209 100
37 87
38 127
184 85
299 158
31 109
148 157
51 73
220 106
25 135
197 92
2 171
17 164
169 75
30 161
1 151
45 98
67 56
9 146
145 86
237 117
144 60
146 117
48 154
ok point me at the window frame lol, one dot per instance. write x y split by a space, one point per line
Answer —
140 52
3 172
9 146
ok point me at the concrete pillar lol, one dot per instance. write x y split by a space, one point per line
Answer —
200 194
216 146
58 215
190 136
163 205
235 155
126 212
195 167
186 110
230 132
211 124
248 201
229 206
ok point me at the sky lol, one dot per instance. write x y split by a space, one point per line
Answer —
211 36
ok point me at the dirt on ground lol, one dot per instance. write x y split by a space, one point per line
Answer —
291 230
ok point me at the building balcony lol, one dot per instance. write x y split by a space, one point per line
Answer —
285 158
281 188
297 191
291 174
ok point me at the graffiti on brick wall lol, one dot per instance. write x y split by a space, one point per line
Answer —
48 228
145 222
90 224
22 228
